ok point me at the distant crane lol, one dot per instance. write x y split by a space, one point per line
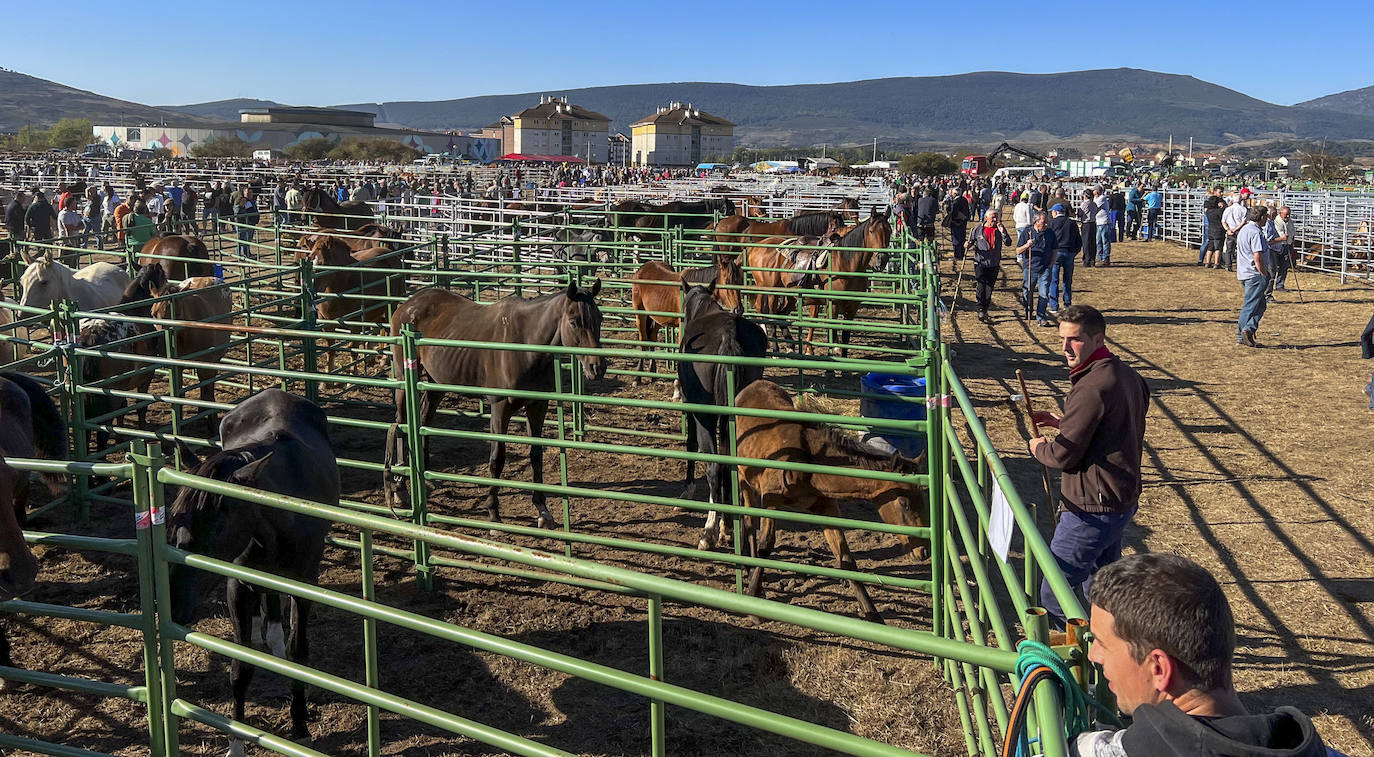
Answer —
979 165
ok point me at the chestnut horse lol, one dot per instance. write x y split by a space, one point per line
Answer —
801 255
898 502
873 235
656 288
192 258
352 288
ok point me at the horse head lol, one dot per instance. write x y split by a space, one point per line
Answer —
729 273
45 281
698 299
580 326
877 236
330 250
207 524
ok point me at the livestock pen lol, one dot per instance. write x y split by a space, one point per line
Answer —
625 534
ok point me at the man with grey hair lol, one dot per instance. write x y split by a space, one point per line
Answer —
1252 269
1280 249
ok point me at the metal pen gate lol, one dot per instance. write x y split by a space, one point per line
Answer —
970 639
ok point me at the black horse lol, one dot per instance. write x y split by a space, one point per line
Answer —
332 214
276 442
709 329
569 318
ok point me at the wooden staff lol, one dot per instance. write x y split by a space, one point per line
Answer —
1035 431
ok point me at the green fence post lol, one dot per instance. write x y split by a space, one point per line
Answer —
69 367
515 256
162 592
657 741
147 604
733 473
173 381
415 441
562 450
370 667
308 323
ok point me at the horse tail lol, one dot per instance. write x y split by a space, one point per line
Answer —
49 430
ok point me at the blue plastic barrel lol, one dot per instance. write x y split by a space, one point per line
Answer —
907 404
219 271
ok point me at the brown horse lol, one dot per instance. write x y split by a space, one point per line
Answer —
873 235
324 210
568 318
361 238
801 254
849 209
352 290
899 503
656 287
192 258
30 426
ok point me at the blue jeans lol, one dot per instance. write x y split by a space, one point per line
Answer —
1369 389
1038 280
1083 543
1104 243
1253 306
1061 273
245 236
1152 230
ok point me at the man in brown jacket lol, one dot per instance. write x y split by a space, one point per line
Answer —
1101 437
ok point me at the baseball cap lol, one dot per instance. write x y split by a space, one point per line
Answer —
1245 191
1058 208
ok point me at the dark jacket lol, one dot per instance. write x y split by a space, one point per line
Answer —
1101 437
989 255
14 218
1066 236
1163 730
926 209
959 212
41 217
1367 340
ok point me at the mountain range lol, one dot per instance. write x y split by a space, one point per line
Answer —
1104 104
1357 101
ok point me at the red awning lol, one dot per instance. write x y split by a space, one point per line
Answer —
542 158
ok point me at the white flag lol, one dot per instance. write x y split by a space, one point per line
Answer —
1001 522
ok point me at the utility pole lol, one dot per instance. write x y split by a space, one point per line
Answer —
875 149
1190 151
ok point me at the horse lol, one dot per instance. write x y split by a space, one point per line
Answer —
654 287
180 246
873 235
709 329
353 285
30 426
279 443
800 254
809 224
46 281
849 209
685 214
897 502
361 238
209 302
584 246
569 318
331 214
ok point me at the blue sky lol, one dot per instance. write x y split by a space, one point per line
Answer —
310 53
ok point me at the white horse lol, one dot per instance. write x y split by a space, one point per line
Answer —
97 285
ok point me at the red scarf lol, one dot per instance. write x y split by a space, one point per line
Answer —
990 234
1101 353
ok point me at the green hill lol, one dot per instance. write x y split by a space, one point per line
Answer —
982 107
27 99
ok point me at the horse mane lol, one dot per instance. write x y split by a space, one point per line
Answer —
219 466
864 456
855 236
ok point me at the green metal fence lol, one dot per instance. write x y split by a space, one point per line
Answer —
977 601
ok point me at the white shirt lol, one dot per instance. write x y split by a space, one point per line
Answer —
1233 217
1103 217
1022 214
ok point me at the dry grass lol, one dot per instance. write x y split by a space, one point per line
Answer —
1256 461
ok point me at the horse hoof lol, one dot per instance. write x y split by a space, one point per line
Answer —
703 545
547 521
873 617
235 749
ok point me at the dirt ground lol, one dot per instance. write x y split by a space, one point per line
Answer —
1256 461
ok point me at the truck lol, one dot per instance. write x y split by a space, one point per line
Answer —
980 165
